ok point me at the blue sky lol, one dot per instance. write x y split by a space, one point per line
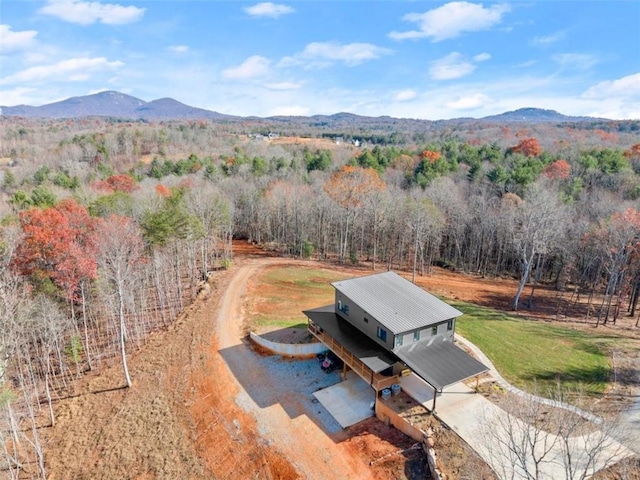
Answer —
416 59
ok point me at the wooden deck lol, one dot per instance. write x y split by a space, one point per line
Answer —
376 380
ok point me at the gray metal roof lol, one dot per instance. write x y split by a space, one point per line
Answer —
373 355
439 362
395 302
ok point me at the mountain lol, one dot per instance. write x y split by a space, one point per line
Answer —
535 115
119 105
115 104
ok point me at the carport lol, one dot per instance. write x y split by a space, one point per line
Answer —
439 363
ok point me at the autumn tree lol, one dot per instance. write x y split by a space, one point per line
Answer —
560 170
529 147
348 187
58 246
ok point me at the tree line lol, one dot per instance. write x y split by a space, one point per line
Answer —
109 229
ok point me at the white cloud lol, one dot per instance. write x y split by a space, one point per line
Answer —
482 57
323 54
268 9
405 95
470 102
87 13
252 67
577 61
451 20
625 87
74 69
451 67
549 39
178 48
283 86
17 96
14 41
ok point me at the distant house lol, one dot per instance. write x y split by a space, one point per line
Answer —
383 326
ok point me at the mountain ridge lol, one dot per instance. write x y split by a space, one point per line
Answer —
119 105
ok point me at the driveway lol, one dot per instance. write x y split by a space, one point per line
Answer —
285 421
488 429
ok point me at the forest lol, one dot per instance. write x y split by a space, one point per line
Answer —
108 228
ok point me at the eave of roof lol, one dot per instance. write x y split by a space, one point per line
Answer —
439 362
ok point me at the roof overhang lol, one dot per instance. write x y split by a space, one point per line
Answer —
373 355
439 362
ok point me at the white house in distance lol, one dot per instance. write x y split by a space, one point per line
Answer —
383 326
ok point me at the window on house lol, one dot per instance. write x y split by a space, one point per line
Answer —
416 335
450 325
434 330
382 334
399 340
366 320
343 307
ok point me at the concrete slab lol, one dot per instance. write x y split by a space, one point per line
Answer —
349 402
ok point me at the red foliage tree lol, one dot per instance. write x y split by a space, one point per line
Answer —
529 147
59 245
560 169
122 183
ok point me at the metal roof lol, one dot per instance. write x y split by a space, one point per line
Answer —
395 302
439 362
373 355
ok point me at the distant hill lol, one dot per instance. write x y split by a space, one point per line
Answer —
114 104
120 105
535 115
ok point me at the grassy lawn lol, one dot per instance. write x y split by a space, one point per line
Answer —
536 355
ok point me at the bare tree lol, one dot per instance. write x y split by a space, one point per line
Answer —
535 225
120 250
533 439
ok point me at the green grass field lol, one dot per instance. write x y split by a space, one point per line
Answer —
532 355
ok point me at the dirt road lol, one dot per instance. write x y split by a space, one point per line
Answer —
313 453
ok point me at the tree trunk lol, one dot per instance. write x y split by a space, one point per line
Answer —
123 352
526 270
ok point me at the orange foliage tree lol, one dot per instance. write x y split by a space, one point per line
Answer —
349 187
430 155
560 169
529 147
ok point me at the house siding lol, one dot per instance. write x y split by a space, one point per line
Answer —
427 332
356 317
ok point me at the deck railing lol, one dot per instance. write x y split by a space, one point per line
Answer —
376 380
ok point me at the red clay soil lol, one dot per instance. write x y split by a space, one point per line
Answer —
183 419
